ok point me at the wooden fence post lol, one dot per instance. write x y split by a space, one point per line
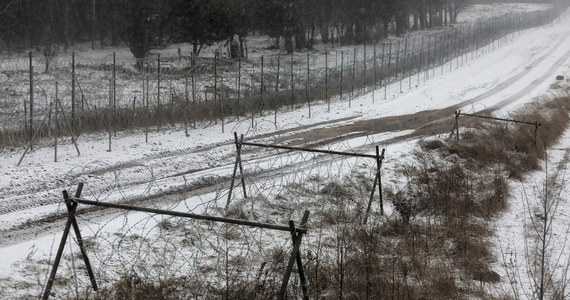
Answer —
31 103
71 221
327 81
536 126
374 73
353 72
261 98
341 73
158 112
457 113
110 114
114 97
56 124
238 112
73 90
382 68
410 58
308 83
187 108
404 59
364 68
379 161
277 104
147 110
377 182
237 164
295 258
193 97
292 83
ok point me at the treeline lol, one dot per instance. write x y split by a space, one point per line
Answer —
146 24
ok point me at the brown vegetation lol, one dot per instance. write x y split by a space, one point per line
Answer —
436 244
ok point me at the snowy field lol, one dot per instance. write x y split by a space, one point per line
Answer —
478 12
521 70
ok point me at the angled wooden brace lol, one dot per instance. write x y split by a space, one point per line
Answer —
71 221
377 182
295 258
237 165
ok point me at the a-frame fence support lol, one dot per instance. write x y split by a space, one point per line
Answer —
237 165
377 183
72 204
71 221
296 258
378 157
458 113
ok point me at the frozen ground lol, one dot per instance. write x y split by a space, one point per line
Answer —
488 11
521 70
516 229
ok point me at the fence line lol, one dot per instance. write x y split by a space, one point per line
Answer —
222 88
378 157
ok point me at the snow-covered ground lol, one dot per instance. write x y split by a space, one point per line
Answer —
520 70
483 12
518 231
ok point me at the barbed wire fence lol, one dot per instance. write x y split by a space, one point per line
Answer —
141 251
106 94
148 249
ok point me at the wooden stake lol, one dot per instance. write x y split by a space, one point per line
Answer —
327 81
158 112
56 124
238 112
292 84
295 257
73 90
353 72
341 73
187 110
114 86
308 83
31 103
377 182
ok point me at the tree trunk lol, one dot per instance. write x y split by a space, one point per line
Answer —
195 50
423 15
161 24
139 64
300 39
234 48
417 25
312 33
66 24
325 34
93 22
289 44
360 31
241 46
401 23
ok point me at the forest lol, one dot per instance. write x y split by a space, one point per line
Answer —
143 25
